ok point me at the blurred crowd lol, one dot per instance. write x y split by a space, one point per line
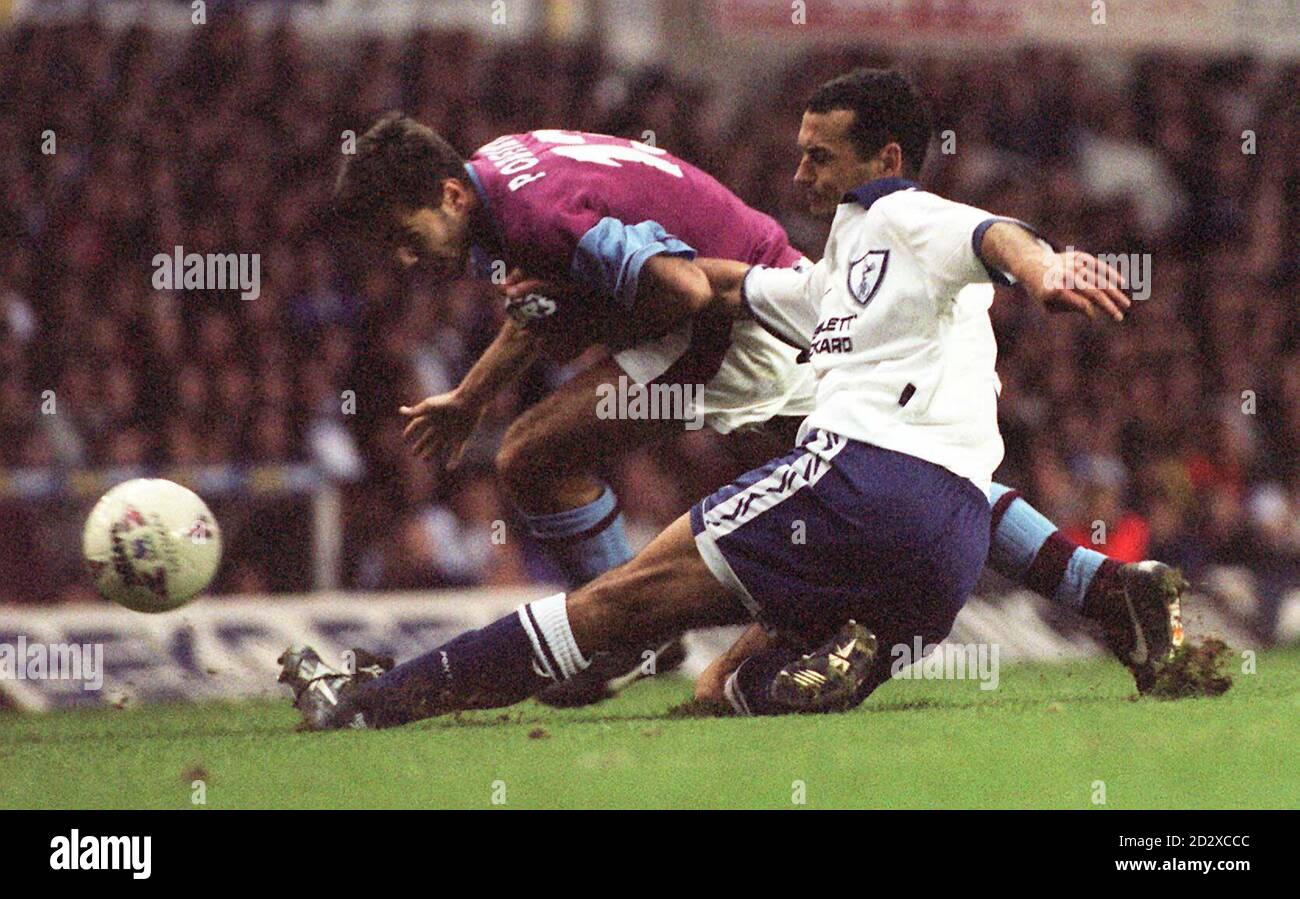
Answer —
1175 435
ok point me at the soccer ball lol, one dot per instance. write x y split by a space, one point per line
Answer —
151 545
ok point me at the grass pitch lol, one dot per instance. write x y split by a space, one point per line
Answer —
1043 739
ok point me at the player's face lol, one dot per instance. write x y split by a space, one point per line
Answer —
434 239
829 166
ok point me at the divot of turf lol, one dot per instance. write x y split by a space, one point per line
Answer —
1195 670
699 708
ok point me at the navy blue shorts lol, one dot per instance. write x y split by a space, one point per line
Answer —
840 529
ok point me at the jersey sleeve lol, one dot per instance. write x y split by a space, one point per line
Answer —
610 255
784 300
946 238
575 235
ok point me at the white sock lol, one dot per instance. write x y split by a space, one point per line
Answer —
546 622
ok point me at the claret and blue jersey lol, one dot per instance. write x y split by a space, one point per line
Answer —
587 211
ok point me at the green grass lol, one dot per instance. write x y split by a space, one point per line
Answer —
1040 740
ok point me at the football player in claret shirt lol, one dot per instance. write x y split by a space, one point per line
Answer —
611 225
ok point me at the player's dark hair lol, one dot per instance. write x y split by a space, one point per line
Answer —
886 107
398 163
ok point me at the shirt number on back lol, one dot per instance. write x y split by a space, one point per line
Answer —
575 146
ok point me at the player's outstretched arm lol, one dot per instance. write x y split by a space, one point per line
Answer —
725 278
1062 282
671 290
779 299
445 422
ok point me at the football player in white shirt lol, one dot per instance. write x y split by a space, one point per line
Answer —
1137 604
879 518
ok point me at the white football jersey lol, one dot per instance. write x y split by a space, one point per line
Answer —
895 321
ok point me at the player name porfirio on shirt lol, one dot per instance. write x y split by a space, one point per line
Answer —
894 320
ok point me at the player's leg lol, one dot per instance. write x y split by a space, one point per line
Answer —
548 461
1137 604
839 530
547 457
666 590
1029 549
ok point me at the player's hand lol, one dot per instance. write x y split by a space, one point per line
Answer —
1079 282
710 686
530 302
441 424
518 285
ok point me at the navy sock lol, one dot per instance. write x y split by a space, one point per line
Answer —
506 662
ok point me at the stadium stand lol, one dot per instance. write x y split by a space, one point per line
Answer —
1179 430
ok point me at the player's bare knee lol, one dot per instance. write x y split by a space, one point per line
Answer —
520 463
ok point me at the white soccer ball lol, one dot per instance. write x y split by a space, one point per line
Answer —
151 545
